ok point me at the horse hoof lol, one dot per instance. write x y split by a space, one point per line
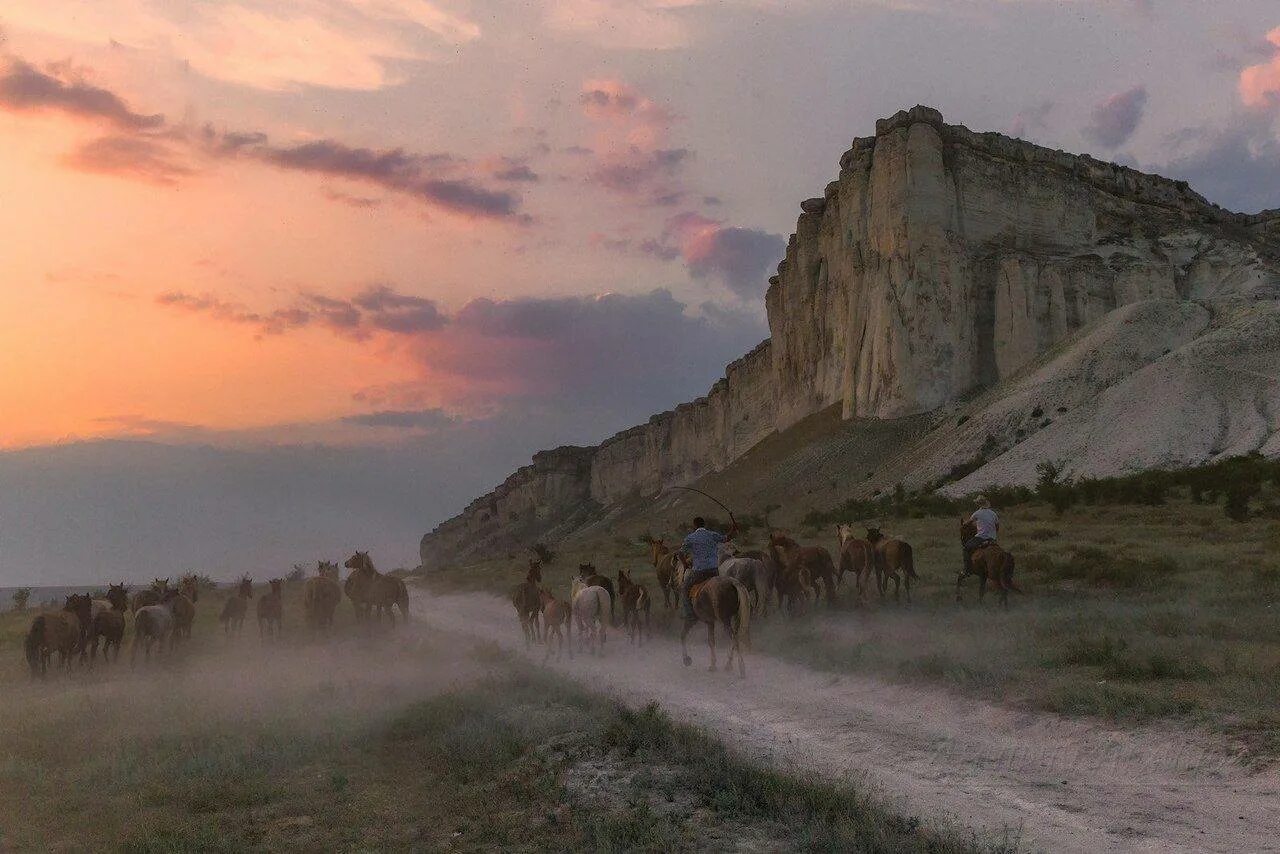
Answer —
712 669
687 661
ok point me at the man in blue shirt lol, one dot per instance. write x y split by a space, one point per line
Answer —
703 546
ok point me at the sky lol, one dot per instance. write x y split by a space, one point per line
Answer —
285 279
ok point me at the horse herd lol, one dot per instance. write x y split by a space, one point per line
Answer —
163 615
785 574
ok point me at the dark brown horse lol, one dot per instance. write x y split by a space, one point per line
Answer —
271 611
664 565
183 607
50 632
321 595
81 604
526 598
108 625
591 578
635 607
724 601
815 560
990 563
556 620
372 594
894 559
236 606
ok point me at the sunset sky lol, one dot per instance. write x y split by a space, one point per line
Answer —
284 278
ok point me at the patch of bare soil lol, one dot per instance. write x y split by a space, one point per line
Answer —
1055 784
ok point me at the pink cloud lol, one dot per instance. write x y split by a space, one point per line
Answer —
1260 84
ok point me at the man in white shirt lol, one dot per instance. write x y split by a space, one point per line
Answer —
986 526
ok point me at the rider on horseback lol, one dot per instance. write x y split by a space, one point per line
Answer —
703 546
986 526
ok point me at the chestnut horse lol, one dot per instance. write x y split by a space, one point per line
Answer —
722 600
635 602
793 557
894 558
857 557
526 598
990 563
372 593
236 606
664 565
556 621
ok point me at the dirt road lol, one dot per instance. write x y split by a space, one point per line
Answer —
1053 783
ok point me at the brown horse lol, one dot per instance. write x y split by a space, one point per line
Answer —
184 607
894 559
372 594
321 595
635 602
990 563
152 624
108 625
81 604
236 606
271 611
526 598
150 595
591 578
556 620
50 632
793 557
664 564
722 600
857 557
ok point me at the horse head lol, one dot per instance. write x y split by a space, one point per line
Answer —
118 596
359 562
624 581
275 586
245 587
190 586
160 585
844 532
874 535
586 570
535 571
80 604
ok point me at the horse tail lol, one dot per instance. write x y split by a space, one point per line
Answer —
744 611
32 644
909 561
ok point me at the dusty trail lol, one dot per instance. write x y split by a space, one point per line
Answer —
1061 785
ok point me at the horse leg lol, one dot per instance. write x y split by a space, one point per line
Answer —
959 585
684 640
982 586
711 642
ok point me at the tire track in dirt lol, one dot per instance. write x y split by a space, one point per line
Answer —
1056 784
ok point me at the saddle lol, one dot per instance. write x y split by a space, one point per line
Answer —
984 545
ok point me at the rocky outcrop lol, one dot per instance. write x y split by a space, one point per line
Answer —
942 263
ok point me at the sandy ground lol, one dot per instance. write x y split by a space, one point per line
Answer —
1053 784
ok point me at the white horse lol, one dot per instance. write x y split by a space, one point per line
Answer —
591 607
152 623
754 574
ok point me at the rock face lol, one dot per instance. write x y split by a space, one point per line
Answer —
942 263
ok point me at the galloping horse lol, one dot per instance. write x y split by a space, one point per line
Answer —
526 597
894 559
591 578
108 625
635 601
81 604
664 564
592 609
793 558
236 607
556 619
372 593
725 601
321 595
184 607
990 563
752 571
271 611
54 631
857 557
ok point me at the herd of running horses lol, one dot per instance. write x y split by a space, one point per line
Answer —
786 574
163 615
